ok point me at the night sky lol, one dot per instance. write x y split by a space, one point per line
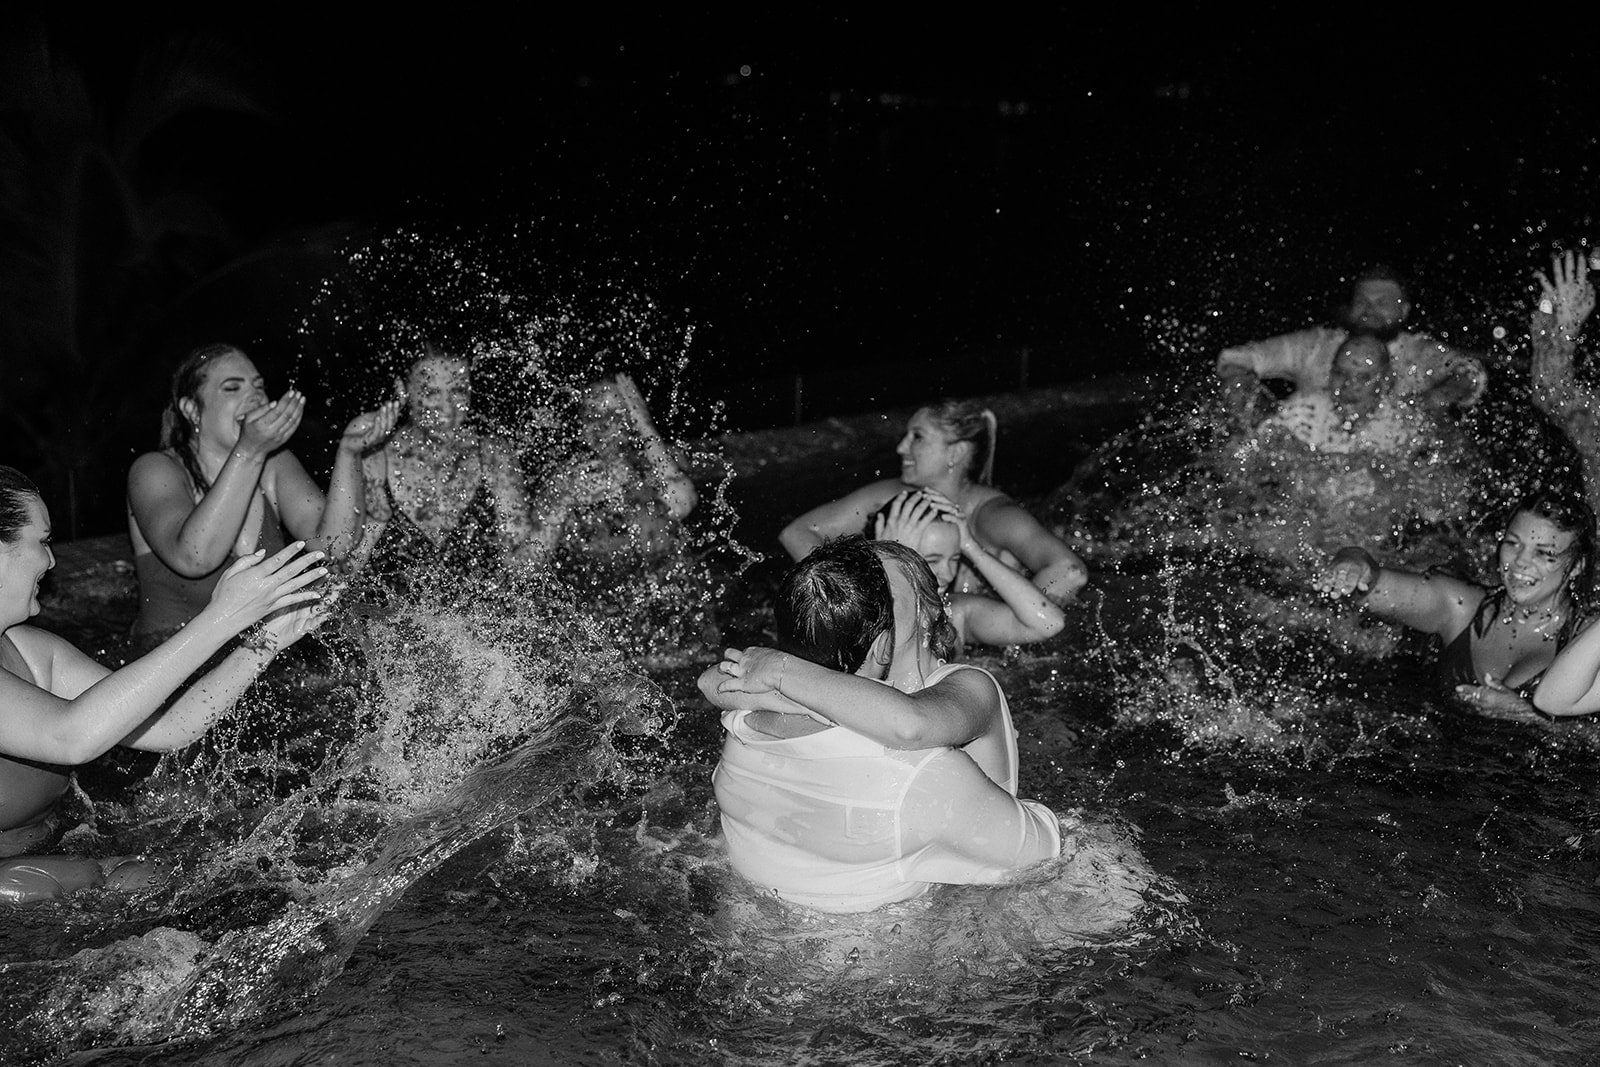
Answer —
813 194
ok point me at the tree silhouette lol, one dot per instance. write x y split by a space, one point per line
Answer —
111 175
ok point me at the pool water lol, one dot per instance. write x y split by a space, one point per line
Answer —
1285 846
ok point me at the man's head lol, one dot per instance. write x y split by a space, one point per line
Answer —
1378 304
835 605
1360 376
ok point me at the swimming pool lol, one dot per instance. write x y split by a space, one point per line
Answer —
1286 849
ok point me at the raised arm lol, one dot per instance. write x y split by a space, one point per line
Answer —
674 487
1023 613
513 511
1571 685
331 521
1566 299
958 709
84 709
1057 570
846 515
1433 604
1288 356
979 833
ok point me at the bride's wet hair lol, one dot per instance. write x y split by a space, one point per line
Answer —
832 605
931 606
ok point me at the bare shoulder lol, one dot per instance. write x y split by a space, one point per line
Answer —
972 684
49 657
155 469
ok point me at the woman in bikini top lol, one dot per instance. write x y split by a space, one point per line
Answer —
59 708
1496 643
223 485
949 448
441 495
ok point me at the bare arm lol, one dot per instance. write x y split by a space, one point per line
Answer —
195 539
1023 614
192 539
771 700
83 709
1057 570
1566 299
1433 604
186 719
674 487
1571 686
982 833
333 521
1288 356
958 709
846 515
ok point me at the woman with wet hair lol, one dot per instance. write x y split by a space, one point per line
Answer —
443 496
949 448
224 485
935 529
929 701
62 709
1496 644
829 816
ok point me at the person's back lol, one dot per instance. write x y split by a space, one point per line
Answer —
829 818
838 822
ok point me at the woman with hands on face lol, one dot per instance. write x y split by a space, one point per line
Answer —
1496 643
61 708
931 525
949 447
224 485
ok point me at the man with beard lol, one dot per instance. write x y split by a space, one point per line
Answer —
1432 374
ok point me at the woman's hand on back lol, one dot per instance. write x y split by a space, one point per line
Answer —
754 670
258 585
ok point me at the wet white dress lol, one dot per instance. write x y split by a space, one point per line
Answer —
838 822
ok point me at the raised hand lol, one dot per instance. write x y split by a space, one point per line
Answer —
264 430
1566 293
258 585
908 517
1351 572
754 670
370 429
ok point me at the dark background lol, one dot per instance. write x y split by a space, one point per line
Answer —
890 207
